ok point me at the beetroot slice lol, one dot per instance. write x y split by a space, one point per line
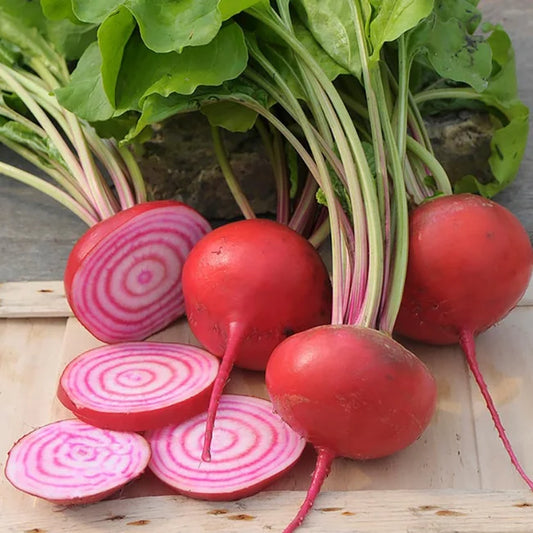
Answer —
251 447
70 462
123 277
137 386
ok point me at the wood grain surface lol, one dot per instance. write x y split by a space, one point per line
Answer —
392 511
455 478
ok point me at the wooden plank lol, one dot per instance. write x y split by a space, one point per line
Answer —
33 299
445 456
504 357
342 512
454 453
29 364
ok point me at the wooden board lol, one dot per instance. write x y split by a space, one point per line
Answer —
455 478
33 299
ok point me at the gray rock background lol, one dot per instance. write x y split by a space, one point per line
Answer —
37 234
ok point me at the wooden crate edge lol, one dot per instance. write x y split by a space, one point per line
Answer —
33 299
385 511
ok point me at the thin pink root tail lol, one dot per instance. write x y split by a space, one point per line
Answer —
218 387
469 348
322 468
235 335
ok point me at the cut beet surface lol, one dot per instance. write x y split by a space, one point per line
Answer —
70 462
251 448
123 277
137 386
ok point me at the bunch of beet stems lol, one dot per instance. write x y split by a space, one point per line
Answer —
92 177
422 174
369 252
306 216
369 236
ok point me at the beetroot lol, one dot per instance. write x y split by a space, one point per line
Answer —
351 391
252 447
138 385
248 285
470 262
123 277
70 462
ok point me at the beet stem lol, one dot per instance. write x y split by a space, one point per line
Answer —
322 468
235 335
469 348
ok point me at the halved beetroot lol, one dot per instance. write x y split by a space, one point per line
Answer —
123 277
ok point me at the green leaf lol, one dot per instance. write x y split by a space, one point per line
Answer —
458 56
13 29
85 95
394 18
330 67
445 44
331 23
340 192
58 10
229 8
230 116
9 54
144 72
33 33
321 197
171 26
157 108
176 24
13 102
94 11
113 35
116 127
507 149
503 83
462 10
293 166
20 133
70 39
510 116
30 16
509 141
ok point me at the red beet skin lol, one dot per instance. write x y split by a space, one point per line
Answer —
260 278
248 286
351 390
470 262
